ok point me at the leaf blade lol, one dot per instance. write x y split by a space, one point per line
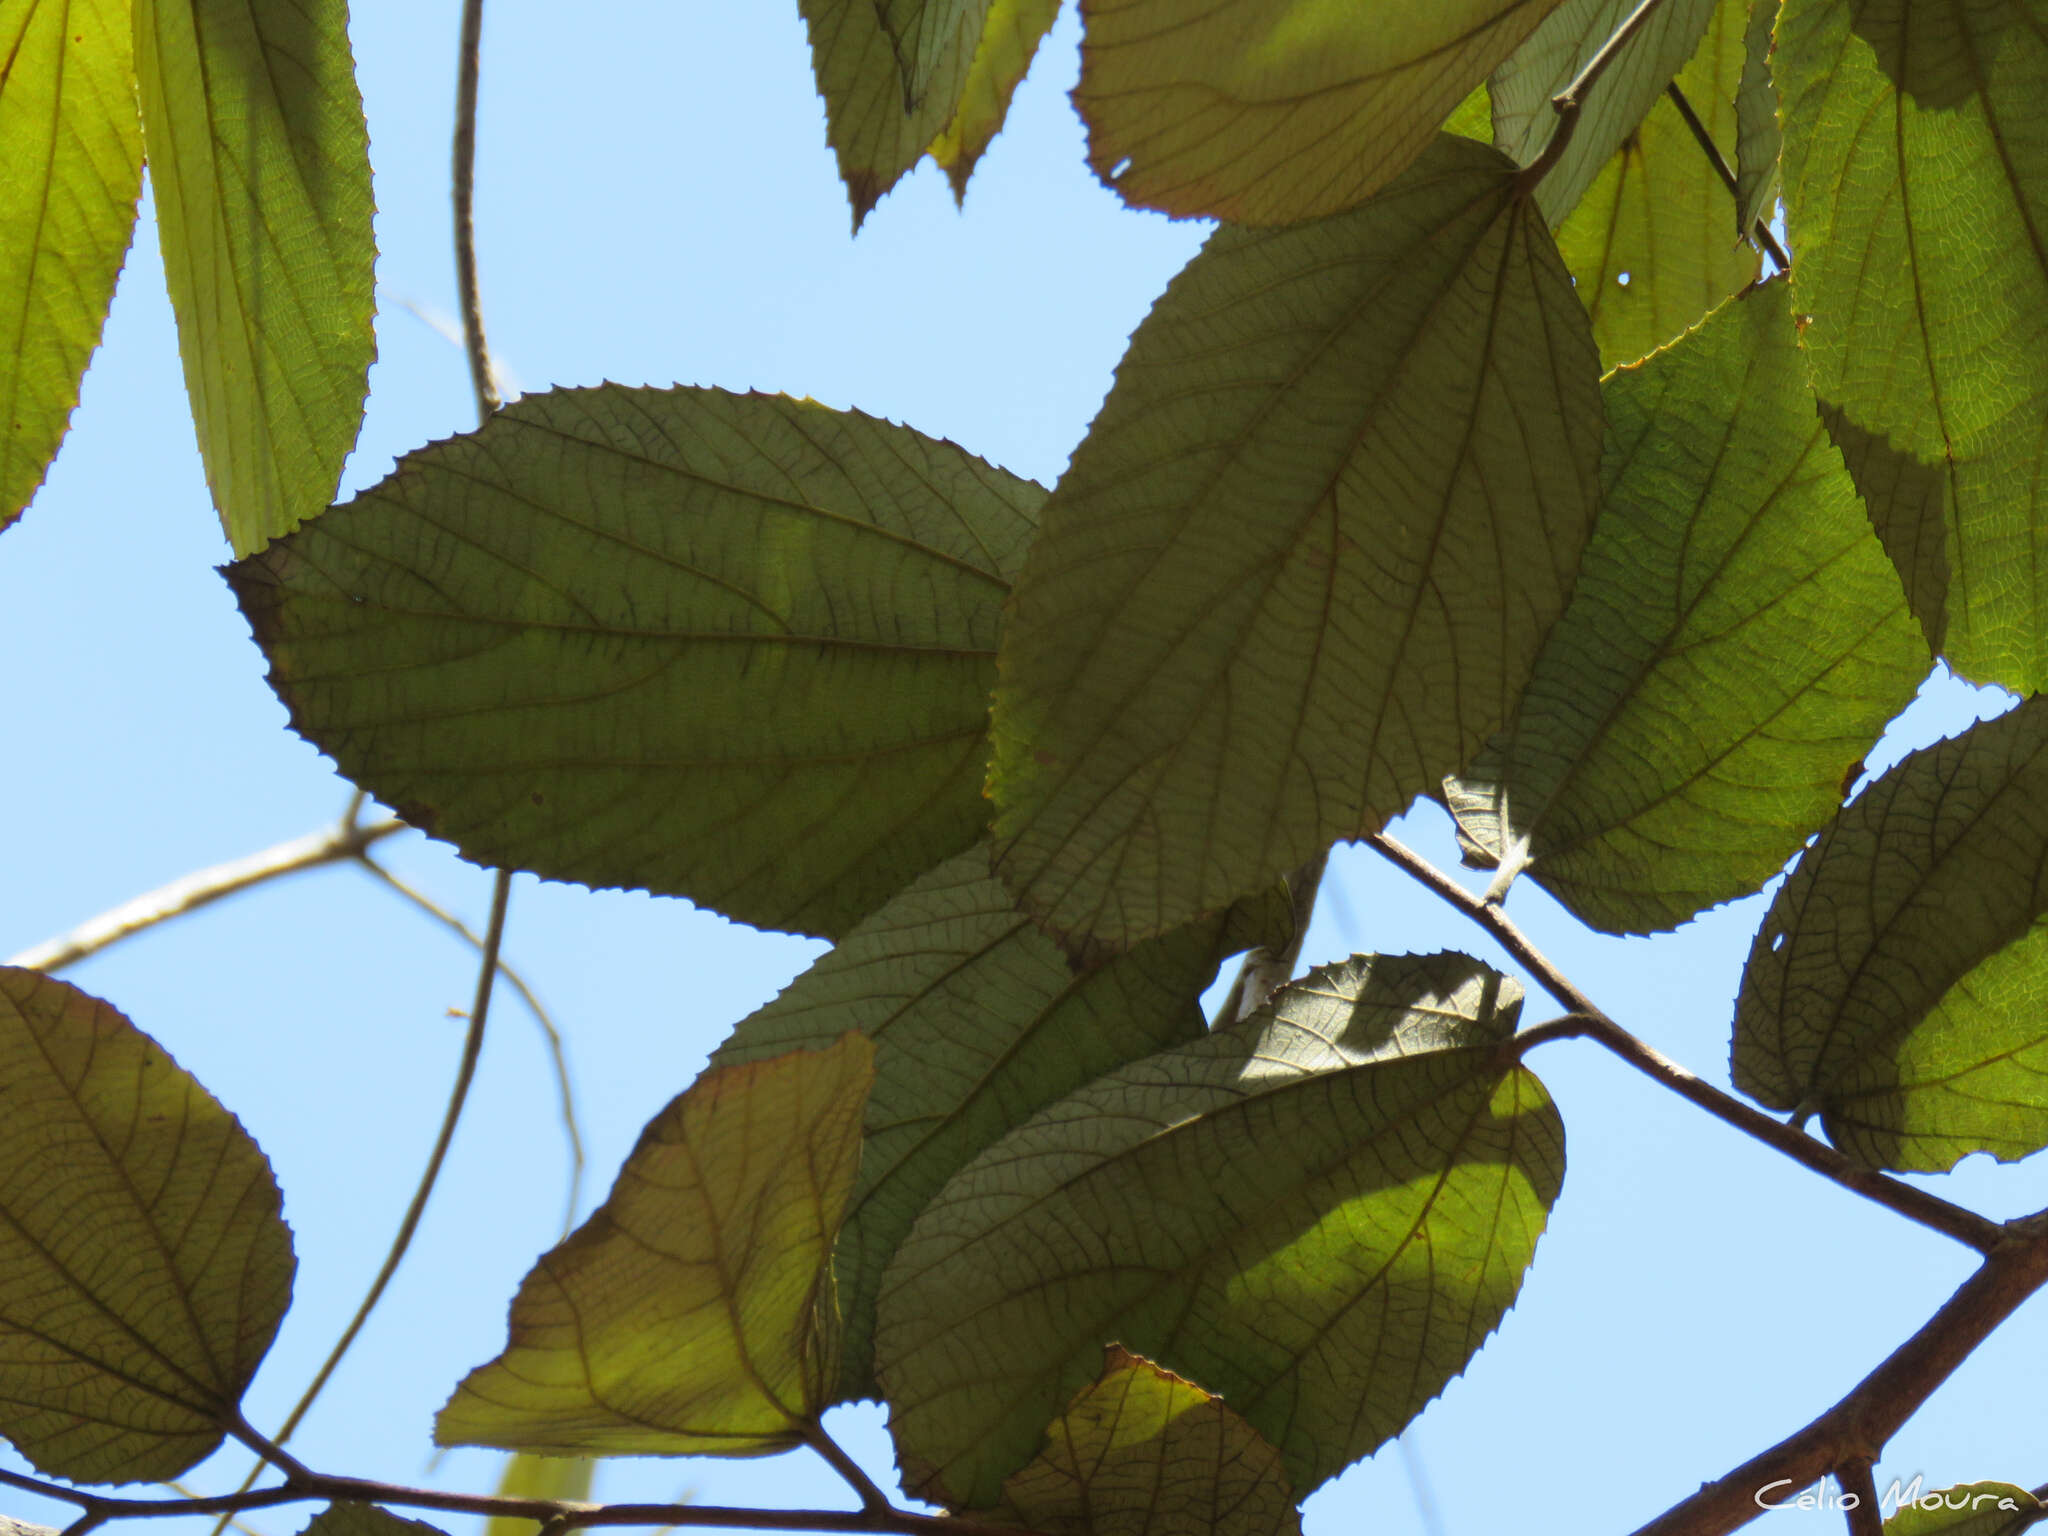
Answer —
1346 468
136 1315
692 1314
663 638
67 213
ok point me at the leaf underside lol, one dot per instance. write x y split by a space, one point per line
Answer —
1899 984
1736 642
731 647
144 1266
692 1314
1319 1213
1916 201
1300 566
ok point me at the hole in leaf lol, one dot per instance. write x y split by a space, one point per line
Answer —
1777 942
1621 278
1116 171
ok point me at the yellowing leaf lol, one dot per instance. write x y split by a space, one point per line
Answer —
978 1020
1319 1212
731 647
260 164
1916 200
1008 40
892 73
73 169
143 1264
1301 564
693 1313
1271 111
1650 245
1140 1452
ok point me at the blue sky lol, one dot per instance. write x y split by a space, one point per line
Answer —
657 205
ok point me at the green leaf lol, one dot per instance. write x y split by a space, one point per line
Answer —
978 1021
1899 985
1301 564
893 73
731 647
1009 38
692 1315
369 1520
1916 199
1319 1213
527 1476
1757 136
144 1267
67 209
1270 111
1524 120
1474 117
1140 1452
261 166
1736 642
1905 501
1649 245
1970 1509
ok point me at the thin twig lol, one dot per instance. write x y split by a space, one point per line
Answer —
557 1052
1719 161
189 893
1862 1422
872 1500
1569 102
1588 1021
179 1488
401 1243
468 70
98 1508
1265 971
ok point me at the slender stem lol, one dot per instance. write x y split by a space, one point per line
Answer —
1865 1518
1719 161
552 1036
1586 1020
1265 971
872 1499
99 1508
270 1450
1570 101
1860 1424
189 893
468 70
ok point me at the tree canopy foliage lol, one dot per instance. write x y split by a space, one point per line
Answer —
1595 416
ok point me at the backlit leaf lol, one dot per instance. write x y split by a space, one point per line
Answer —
1899 985
1009 38
1269 111
1904 499
1319 1213
731 647
1757 136
260 163
143 1264
1737 640
527 1476
1916 200
1140 1452
71 174
1523 118
1301 564
1650 245
892 73
692 1314
978 1021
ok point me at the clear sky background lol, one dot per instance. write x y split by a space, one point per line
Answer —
657 205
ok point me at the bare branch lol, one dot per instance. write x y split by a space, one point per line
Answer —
1588 1021
1570 101
345 840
